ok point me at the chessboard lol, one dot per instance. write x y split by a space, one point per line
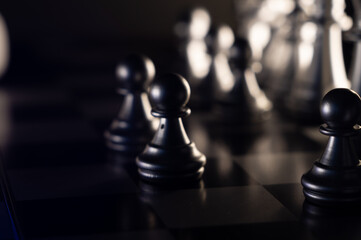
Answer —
63 183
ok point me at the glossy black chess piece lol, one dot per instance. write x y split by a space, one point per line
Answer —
336 178
133 127
238 96
170 156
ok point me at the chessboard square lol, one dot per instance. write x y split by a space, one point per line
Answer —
279 168
223 172
290 195
156 234
69 181
218 206
271 230
85 216
54 154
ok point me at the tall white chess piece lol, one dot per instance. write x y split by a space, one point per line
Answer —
4 47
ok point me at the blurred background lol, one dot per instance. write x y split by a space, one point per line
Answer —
50 39
57 36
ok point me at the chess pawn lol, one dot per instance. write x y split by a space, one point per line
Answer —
134 126
237 93
170 156
336 177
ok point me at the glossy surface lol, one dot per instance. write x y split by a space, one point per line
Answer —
67 185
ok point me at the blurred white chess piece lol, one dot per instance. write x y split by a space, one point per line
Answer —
4 47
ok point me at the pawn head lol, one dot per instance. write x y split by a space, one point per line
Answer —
240 54
341 108
135 72
169 92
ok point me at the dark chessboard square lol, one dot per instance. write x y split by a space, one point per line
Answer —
69 181
89 215
156 234
277 168
253 231
60 130
223 172
55 154
290 195
218 206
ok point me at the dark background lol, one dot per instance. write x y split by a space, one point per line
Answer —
57 36
54 37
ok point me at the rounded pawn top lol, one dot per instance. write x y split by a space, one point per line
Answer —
169 93
135 72
340 108
240 53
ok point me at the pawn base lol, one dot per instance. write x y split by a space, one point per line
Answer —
171 165
331 186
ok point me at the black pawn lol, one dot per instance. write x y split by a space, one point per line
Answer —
133 127
241 99
170 156
336 178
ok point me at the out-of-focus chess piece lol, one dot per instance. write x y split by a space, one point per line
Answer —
279 60
333 67
4 47
134 126
191 31
305 93
237 94
320 65
335 179
355 35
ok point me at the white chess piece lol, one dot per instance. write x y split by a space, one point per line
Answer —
4 46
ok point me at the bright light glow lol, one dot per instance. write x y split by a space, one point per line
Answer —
225 37
4 47
305 49
198 58
281 6
336 58
262 101
259 35
339 15
305 55
122 72
223 73
279 55
308 32
201 22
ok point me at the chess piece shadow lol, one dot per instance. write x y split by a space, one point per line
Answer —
332 222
